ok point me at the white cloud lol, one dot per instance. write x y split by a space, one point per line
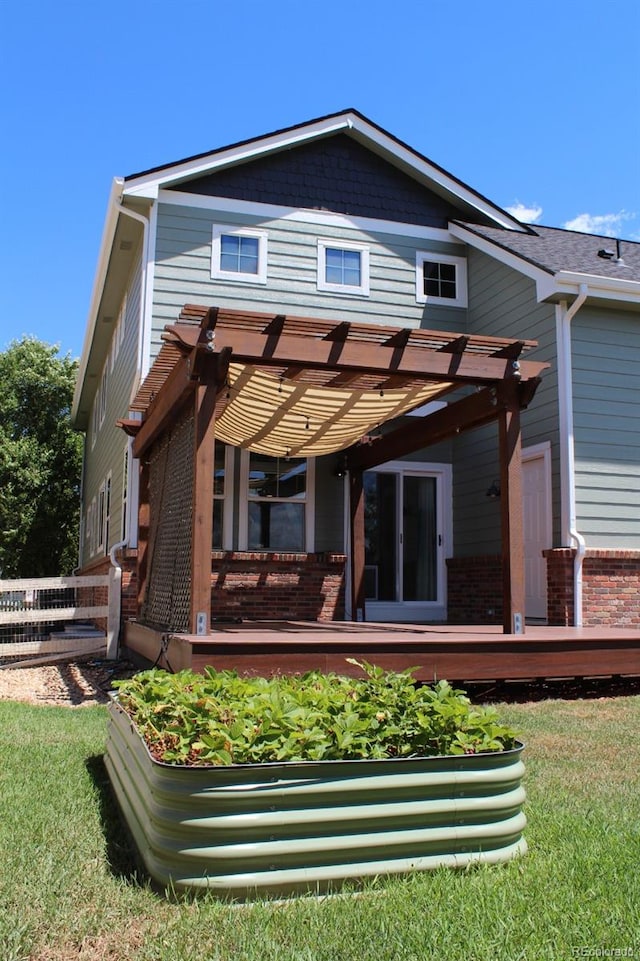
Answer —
607 225
528 215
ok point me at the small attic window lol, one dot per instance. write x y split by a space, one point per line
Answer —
239 254
441 279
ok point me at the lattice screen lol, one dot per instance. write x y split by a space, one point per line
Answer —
167 605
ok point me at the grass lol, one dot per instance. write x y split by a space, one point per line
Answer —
69 888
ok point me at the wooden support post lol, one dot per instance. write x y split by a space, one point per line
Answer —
356 514
513 569
144 519
202 518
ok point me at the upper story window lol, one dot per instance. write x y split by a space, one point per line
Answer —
239 254
441 279
279 503
343 268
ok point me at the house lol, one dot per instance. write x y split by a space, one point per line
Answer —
331 297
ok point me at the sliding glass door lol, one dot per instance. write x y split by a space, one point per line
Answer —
404 555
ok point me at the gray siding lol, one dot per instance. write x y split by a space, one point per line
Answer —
502 303
106 454
183 273
606 397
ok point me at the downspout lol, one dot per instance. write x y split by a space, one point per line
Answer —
570 532
131 538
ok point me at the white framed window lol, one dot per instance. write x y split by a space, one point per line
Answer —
103 516
222 497
343 268
441 279
239 254
95 423
277 512
92 530
119 331
102 394
125 491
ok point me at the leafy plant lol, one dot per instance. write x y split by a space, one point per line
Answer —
220 718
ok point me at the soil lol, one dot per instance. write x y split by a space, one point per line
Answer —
83 682
74 683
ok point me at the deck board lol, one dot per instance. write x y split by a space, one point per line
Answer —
460 653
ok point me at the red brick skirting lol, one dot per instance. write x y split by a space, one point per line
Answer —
610 587
129 600
474 590
277 586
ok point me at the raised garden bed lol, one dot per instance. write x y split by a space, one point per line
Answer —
274 828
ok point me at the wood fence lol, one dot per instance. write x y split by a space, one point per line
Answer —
51 618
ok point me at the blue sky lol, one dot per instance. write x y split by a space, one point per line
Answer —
535 104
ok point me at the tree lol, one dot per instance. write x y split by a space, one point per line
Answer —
40 461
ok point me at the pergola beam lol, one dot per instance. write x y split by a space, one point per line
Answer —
470 412
273 347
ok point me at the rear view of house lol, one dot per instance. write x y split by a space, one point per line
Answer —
323 379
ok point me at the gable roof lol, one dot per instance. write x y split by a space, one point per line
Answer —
561 261
554 249
350 122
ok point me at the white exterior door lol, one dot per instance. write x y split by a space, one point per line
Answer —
536 497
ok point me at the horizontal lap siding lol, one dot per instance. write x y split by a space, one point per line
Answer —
606 359
502 302
108 452
183 273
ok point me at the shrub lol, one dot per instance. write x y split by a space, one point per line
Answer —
219 718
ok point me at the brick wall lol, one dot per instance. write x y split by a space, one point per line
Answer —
277 586
128 599
474 589
560 586
611 588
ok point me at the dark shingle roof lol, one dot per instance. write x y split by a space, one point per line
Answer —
554 249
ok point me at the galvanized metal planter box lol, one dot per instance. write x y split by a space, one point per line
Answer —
273 829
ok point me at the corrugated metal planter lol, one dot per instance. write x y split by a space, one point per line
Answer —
265 829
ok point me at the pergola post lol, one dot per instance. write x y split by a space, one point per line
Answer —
356 515
143 535
202 516
513 569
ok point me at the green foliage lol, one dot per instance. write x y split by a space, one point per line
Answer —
220 718
40 461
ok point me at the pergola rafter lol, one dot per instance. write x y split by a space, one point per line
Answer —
255 378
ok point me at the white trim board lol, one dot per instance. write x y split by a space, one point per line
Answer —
254 208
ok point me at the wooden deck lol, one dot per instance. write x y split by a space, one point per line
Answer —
460 653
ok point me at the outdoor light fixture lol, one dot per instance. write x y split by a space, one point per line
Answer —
493 492
341 467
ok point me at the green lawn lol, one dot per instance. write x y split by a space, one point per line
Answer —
69 888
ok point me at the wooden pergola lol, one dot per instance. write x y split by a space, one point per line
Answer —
302 386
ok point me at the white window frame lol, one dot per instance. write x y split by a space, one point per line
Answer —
119 331
325 243
104 515
227 499
103 393
92 527
460 264
95 424
309 506
124 514
233 230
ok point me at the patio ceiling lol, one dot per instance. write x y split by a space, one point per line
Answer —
299 386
